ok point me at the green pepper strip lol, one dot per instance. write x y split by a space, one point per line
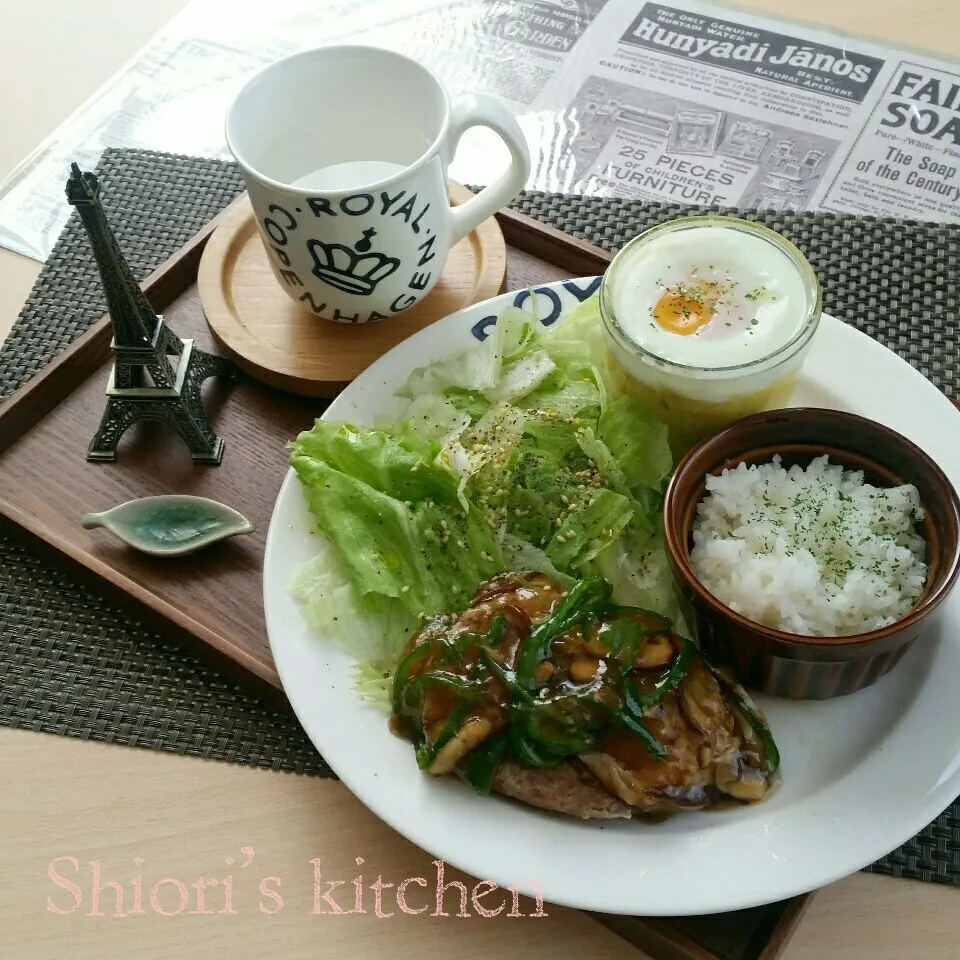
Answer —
403 672
531 753
506 677
655 622
746 708
479 766
671 679
401 683
524 717
465 688
587 597
587 600
497 625
453 649
624 638
631 716
570 738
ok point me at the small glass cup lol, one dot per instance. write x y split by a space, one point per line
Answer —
697 401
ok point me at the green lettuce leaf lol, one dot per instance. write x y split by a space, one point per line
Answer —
521 555
551 436
430 417
640 574
374 682
481 366
474 405
372 628
638 442
427 555
483 452
402 466
578 346
589 529
522 377
601 455
579 397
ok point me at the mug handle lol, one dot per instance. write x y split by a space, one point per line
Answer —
478 110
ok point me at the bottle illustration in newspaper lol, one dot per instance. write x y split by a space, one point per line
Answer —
630 141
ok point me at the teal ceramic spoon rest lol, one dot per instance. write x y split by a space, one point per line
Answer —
170 525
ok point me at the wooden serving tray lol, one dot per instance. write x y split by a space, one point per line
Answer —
213 600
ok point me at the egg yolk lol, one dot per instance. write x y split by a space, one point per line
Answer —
685 308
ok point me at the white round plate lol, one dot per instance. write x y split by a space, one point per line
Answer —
862 774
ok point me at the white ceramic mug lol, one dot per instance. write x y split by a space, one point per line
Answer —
344 151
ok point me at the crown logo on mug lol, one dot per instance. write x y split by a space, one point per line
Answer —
328 174
351 272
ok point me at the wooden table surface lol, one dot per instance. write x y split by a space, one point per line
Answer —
70 807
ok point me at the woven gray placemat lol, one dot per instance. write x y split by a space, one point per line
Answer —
74 664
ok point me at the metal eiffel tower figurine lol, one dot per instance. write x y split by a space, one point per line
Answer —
156 374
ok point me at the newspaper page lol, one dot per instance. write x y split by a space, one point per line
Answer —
693 103
678 102
905 160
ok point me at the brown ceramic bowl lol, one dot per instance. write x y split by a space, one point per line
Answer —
787 664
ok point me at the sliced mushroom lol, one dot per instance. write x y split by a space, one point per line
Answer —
618 780
739 780
627 768
583 669
543 672
473 732
656 651
690 793
595 646
705 708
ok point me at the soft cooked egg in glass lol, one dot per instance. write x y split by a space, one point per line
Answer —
708 319
699 297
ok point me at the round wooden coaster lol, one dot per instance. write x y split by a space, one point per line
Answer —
287 346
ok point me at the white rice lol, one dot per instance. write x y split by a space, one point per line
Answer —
812 551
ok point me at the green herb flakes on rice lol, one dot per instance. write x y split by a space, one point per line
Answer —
813 551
